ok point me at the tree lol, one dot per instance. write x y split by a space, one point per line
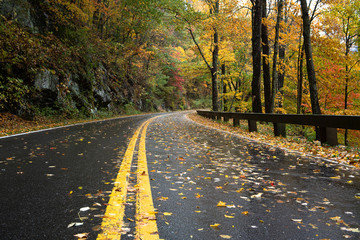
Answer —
275 79
309 58
256 55
265 58
213 68
345 13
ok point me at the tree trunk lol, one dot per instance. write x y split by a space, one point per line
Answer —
347 51
256 56
223 68
265 59
282 65
300 78
215 59
275 80
309 59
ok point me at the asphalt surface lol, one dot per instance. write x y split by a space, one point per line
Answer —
205 184
47 177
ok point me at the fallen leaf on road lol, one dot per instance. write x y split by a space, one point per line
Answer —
96 228
215 226
351 229
231 206
81 235
221 204
76 224
257 195
162 198
84 209
197 195
226 236
337 218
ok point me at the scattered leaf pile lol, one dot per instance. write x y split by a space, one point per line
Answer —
340 154
12 124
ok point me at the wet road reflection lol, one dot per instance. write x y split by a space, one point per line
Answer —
253 191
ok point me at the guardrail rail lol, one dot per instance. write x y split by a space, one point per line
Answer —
327 124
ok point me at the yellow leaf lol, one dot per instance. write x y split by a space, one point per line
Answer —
337 177
167 214
240 190
226 236
221 204
215 226
228 216
337 218
197 195
245 212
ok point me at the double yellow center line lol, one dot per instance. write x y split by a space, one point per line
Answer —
113 221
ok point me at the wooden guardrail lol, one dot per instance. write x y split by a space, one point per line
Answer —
327 124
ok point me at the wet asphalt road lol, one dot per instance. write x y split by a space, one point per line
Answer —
205 184
47 177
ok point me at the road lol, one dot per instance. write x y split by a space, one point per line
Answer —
164 176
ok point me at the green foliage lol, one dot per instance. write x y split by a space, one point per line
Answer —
12 93
202 103
129 109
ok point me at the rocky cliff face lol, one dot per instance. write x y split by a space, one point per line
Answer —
83 84
20 11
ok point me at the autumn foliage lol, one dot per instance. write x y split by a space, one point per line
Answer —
171 54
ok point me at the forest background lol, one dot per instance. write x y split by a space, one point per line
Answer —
78 58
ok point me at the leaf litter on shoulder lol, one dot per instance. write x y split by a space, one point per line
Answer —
348 156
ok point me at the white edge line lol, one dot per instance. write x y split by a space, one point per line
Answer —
282 148
72 125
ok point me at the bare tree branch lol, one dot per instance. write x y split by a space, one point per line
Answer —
198 47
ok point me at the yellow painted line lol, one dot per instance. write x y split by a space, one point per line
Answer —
146 227
113 220
114 216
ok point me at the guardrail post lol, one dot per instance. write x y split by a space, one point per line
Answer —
226 118
252 126
236 122
332 138
329 136
280 129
